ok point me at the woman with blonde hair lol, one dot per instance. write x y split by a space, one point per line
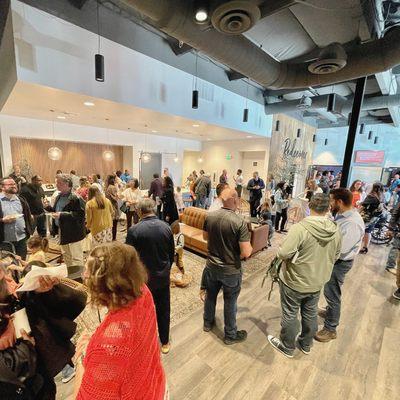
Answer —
121 360
99 217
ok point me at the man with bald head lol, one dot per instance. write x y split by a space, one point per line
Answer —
228 240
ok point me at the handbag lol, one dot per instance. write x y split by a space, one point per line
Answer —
124 208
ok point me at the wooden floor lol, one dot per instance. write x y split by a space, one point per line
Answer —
362 363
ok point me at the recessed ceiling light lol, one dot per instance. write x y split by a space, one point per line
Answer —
195 125
89 103
154 131
201 15
249 137
208 139
61 117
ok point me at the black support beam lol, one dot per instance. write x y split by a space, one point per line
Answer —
351 136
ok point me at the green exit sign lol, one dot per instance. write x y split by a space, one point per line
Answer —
228 156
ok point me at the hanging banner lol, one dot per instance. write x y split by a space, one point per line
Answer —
369 157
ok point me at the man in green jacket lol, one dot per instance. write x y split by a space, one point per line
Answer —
309 252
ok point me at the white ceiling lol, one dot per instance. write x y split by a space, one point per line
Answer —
36 101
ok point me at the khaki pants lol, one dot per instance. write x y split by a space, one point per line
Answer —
73 253
179 259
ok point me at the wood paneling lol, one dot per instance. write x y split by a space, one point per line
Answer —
84 158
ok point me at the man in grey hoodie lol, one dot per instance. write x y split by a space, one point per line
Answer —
309 252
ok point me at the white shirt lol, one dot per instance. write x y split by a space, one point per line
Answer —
132 196
216 205
239 180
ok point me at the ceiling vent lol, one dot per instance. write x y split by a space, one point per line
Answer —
235 17
331 59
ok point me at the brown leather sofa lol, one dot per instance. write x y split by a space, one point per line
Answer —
192 220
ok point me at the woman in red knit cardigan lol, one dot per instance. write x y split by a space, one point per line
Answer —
122 358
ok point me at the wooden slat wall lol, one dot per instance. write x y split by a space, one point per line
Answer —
84 158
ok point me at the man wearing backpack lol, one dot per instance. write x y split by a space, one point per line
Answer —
309 252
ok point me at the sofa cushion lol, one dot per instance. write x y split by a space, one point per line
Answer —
189 231
194 217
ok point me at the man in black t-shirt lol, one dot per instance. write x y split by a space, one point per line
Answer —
228 242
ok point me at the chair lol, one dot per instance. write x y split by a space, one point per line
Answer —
75 272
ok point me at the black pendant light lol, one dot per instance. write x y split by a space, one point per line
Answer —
370 135
246 110
298 132
314 138
362 126
376 140
277 126
195 92
98 58
326 142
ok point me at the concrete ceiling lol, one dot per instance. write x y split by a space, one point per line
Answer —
36 101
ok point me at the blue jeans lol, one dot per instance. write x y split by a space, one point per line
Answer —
291 302
201 201
394 251
333 293
213 281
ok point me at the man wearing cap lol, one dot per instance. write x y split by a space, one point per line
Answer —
309 252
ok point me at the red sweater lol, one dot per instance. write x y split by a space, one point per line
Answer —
123 357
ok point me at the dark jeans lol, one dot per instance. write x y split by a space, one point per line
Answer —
20 248
212 281
39 223
254 204
159 212
278 217
129 216
114 229
291 302
333 293
239 190
161 297
201 201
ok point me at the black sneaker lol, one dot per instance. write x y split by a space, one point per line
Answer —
241 336
277 345
302 349
396 294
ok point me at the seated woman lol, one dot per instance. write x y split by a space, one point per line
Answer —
122 358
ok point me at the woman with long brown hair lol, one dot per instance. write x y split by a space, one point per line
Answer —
99 214
121 360
112 195
371 210
356 190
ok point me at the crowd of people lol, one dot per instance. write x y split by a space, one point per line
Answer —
132 280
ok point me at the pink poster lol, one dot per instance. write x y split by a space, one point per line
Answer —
369 157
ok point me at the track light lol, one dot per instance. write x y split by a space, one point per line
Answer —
99 67
195 99
245 115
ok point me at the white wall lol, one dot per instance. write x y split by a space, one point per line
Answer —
11 126
214 155
55 53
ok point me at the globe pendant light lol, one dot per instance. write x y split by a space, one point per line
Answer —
54 152
145 156
108 154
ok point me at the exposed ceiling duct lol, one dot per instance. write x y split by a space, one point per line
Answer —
232 49
334 104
